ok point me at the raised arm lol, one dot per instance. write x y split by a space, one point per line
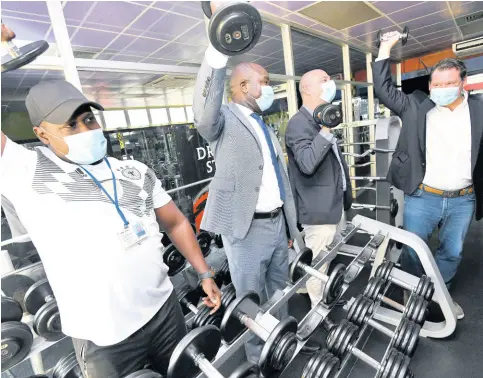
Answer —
384 87
208 95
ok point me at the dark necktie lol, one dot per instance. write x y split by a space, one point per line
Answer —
273 155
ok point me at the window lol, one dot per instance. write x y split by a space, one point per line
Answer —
115 119
177 115
189 111
138 117
159 116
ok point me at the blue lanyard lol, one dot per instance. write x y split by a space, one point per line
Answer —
114 201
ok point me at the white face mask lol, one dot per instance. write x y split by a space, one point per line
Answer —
266 98
329 90
85 148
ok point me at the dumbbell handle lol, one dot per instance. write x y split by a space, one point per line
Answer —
390 302
364 357
253 326
13 50
314 272
385 38
401 283
206 367
190 306
380 327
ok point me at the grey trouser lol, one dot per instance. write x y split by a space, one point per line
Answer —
259 263
153 343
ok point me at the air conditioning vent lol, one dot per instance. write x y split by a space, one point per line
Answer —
474 17
470 47
84 54
471 24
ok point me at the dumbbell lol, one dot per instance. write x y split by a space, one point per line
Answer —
424 288
222 275
415 310
328 115
218 241
333 283
20 56
145 373
341 341
204 239
402 36
322 364
174 260
17 337
406 336
40 301
188 299
280 343
234 28
194 354
67 367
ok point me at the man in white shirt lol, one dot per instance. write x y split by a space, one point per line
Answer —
93 222
438 161
250 201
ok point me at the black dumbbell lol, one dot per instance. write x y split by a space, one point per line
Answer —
406 336
415 310
328 115
194 354
280 343
222 275
218 241
17 337
174 260
188 299
402 36
19 57
341 341
424 288
67 367
332 283
204 240
145 373
40 301
322 364
229 295
234 28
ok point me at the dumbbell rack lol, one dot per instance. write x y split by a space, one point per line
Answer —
377 244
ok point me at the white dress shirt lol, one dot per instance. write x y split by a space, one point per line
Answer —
269 194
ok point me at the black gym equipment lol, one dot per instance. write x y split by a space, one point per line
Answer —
415 310
342 339
333 283
280 343
424 288
406 336
40 301
234 28
247 370
15 286
229 295
204 240
322 364
189 298
218 241
174 260
223 274
393 208
145 373
19 57
402 36
67 367
17 338
328 115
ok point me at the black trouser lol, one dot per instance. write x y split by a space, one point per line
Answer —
153 343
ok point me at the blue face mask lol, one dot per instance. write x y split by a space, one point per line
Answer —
266 99
444 96
328 91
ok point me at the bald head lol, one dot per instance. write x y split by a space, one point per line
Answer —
246 81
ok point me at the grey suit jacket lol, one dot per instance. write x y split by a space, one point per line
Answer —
315 172
233 193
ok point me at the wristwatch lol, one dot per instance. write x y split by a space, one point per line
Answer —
209 274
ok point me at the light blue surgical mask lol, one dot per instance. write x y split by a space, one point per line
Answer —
444 96
328 91
266 99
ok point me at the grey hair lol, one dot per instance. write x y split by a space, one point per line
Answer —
447 64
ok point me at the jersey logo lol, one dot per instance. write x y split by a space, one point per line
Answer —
131 173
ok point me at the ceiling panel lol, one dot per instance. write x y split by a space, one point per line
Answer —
369 27
299 19
265 6
428 29
389 7
27 30
116 13
420 10
293 5
427 20
34 7
461 8
187 8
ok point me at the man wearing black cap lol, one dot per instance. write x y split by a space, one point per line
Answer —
93 222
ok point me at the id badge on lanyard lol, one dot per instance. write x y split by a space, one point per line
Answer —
132 233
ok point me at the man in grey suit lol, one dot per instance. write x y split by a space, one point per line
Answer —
318 173
250 201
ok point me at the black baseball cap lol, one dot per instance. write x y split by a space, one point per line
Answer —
55 101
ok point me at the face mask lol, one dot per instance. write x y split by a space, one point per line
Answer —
444 96
266 99
85 148
328 91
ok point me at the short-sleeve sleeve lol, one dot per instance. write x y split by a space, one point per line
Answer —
17 164
160 197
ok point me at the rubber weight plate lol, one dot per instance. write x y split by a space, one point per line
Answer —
396 365
235 28
228 296
328 115
322 364
341 337
231 327
224 273
384 270
67 367
333 286
186 295
406 338
47 322
304 257
204 240
425 288
16 343
203 318
15 286
360 310
393 208
37 295
247 370
206 6
416 309
144 374
374 287
174 260
11 310
27 54
218 241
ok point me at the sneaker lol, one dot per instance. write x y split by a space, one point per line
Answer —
459 311
302 290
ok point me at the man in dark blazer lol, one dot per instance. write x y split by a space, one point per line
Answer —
438 161
318 173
